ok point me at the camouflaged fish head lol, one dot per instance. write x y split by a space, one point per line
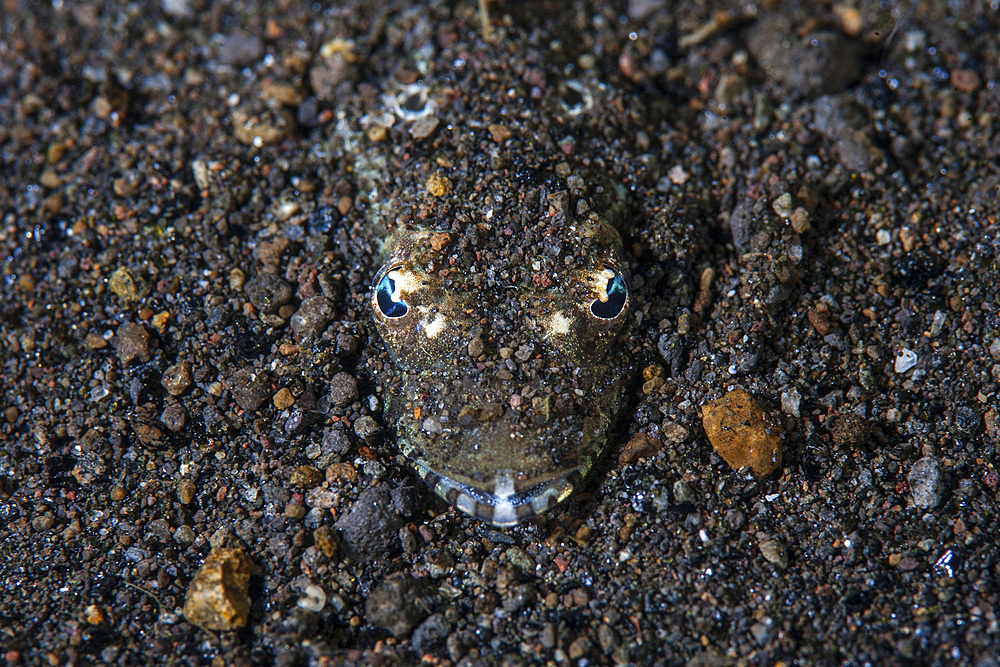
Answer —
503 331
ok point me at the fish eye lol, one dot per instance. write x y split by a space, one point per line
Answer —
387 297
614 297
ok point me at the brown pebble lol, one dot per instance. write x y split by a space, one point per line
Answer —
343 389
424 127
325 541
125 285
250 388
641 446
344 204
850 431
628 527
908 238
580 647
95 341
673 432
269 252
132 343
377 133
438 185
440 241
800 220
160 320
285 93
500 133
94 615
965 80
476 347
174 416
217 597
186 491
991 422
774 552
652 371
341 472
652 385
306 477
117 493
295 511
147 432
740 434
56 152
268 127
820 320
177 378
283 399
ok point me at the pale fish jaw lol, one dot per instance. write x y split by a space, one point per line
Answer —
502 506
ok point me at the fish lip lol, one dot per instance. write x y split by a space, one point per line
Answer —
487 473
503 506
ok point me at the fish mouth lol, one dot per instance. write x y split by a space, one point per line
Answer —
500 463
502 505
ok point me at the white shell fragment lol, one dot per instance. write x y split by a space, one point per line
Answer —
905 360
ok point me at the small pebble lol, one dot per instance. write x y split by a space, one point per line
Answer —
424 127
905 360
790 402
774 552
313 598
123 283
177 378
283 399
267 292
217 596
306 477
250 388
365 427
325 541
312 317
580 647
924 480
641 446
343 389
132 343
395 604
339 473
800 220
186 491
740 434
783 205
500 133
438 185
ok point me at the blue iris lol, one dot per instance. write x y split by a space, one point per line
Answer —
617 296
384 291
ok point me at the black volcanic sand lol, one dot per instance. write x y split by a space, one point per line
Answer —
187 359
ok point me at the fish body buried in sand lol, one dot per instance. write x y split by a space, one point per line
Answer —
502 315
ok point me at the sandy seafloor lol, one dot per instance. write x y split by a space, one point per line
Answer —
179 182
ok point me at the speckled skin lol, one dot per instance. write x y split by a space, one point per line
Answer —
502 383
505 382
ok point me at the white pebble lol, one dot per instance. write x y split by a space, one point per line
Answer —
313 598
677 175
790 402
783 205
905 360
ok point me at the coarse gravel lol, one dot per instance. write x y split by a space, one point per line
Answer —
190 197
